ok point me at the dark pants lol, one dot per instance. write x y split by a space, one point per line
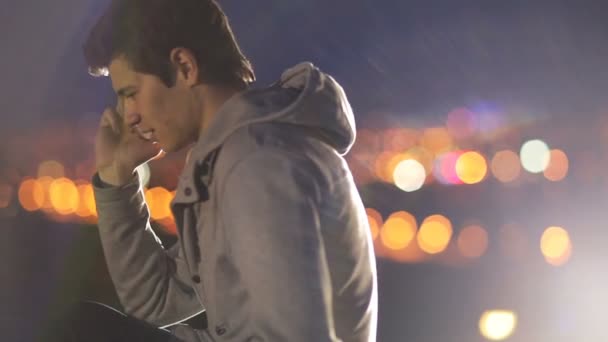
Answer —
94 322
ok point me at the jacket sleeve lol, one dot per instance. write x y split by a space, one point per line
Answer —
270 208
151 282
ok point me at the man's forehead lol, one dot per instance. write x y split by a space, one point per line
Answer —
121 74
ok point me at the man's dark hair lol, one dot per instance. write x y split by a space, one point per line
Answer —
145 32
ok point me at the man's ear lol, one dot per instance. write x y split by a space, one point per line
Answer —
185 65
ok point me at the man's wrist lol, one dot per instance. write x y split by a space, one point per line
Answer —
106 181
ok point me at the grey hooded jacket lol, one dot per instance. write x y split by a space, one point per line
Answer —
273 237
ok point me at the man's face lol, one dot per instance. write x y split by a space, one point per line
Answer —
161 114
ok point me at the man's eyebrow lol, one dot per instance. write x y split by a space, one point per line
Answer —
122 91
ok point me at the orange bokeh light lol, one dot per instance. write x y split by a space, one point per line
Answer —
435 234
46 182
398 230
381 166
506 166
51 168
159 203
31 195
558 166
6 195
556 246
471 167
64 196
400 139
436 140
472 241
86 207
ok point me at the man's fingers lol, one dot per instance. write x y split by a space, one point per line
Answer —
111 118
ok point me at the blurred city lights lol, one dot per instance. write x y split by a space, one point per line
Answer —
398 230
471 167
409 175
497 325
86 207
382 168
159 202
436 140
400 139
557 169
46 182
461 123
556 246
31 194
64 196
472 241
445 168
51 168
506 166
421 155
375 221
434 234
535 156
6 195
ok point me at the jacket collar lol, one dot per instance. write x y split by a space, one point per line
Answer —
195 180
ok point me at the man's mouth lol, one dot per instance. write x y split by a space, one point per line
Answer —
146 135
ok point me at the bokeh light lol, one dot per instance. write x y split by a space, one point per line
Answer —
471 167
497 325
6 195
535 156
421 155
46 182
400 139
506 166
382 166
398 230
434 234
86 207
436 140
375 221
168 224
556 246
472 241
557 169
461 123
31 194
409 175
64 196
51 168
445 168
159 202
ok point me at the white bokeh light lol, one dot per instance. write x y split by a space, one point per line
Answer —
497 325
409 175
535 156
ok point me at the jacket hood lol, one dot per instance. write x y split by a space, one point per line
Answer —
303 96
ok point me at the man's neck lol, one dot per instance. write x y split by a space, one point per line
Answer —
214 98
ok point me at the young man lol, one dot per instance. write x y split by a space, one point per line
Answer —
273 238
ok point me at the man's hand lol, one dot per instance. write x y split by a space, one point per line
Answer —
119 149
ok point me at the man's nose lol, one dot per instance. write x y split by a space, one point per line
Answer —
132 118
